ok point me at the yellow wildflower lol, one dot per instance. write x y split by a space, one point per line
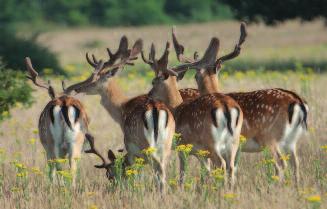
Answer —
36 170
90 194
21 174
15 189
203 153
314 199
139 161
275 178
184 148
19 165
177 136
93 207
172 182
229 196
149 151
269 161
35 131
32 141
59 160
242 139
218 174
324 147
312 130
131 172
65 174
285 157
188 186
5 114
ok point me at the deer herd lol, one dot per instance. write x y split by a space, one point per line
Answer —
206 118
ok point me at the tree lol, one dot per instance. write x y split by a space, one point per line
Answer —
272 12
13 90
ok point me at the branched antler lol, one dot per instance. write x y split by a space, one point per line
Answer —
93 150
237 48
160 66
33 76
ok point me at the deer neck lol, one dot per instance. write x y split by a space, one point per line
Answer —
209 84
112 99
174 98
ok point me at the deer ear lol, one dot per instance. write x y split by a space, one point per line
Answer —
111 155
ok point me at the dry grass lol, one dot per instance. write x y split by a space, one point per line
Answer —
94 191
252 190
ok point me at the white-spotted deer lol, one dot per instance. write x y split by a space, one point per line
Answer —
62 126
211 122
273 118
144 121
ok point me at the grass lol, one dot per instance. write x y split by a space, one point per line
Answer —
23 166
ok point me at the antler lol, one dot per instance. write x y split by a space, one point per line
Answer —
237 49
93 150
159 66
123 53
33 76
207 61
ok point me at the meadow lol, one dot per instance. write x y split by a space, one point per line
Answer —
23 166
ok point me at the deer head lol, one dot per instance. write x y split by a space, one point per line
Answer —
206 77
101 73
165 81
108 165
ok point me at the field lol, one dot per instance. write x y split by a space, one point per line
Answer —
23 179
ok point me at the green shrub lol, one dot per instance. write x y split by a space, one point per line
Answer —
14 90
13 50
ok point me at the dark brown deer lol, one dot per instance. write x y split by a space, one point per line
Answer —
211 122
144 121
62 125
273 118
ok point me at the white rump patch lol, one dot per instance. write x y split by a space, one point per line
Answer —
56 127
69 134
293 130
162 132
220 134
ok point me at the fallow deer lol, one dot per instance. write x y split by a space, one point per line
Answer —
211 122
273 118
144 121
62 125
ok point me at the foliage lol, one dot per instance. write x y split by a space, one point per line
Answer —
272 12
14 90
193 10
109 12
13 50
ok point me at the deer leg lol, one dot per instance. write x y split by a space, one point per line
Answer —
282 161
232 167
160 175
295 164
75 150
278 169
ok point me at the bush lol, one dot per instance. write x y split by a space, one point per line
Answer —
272 12
13 50
13 90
